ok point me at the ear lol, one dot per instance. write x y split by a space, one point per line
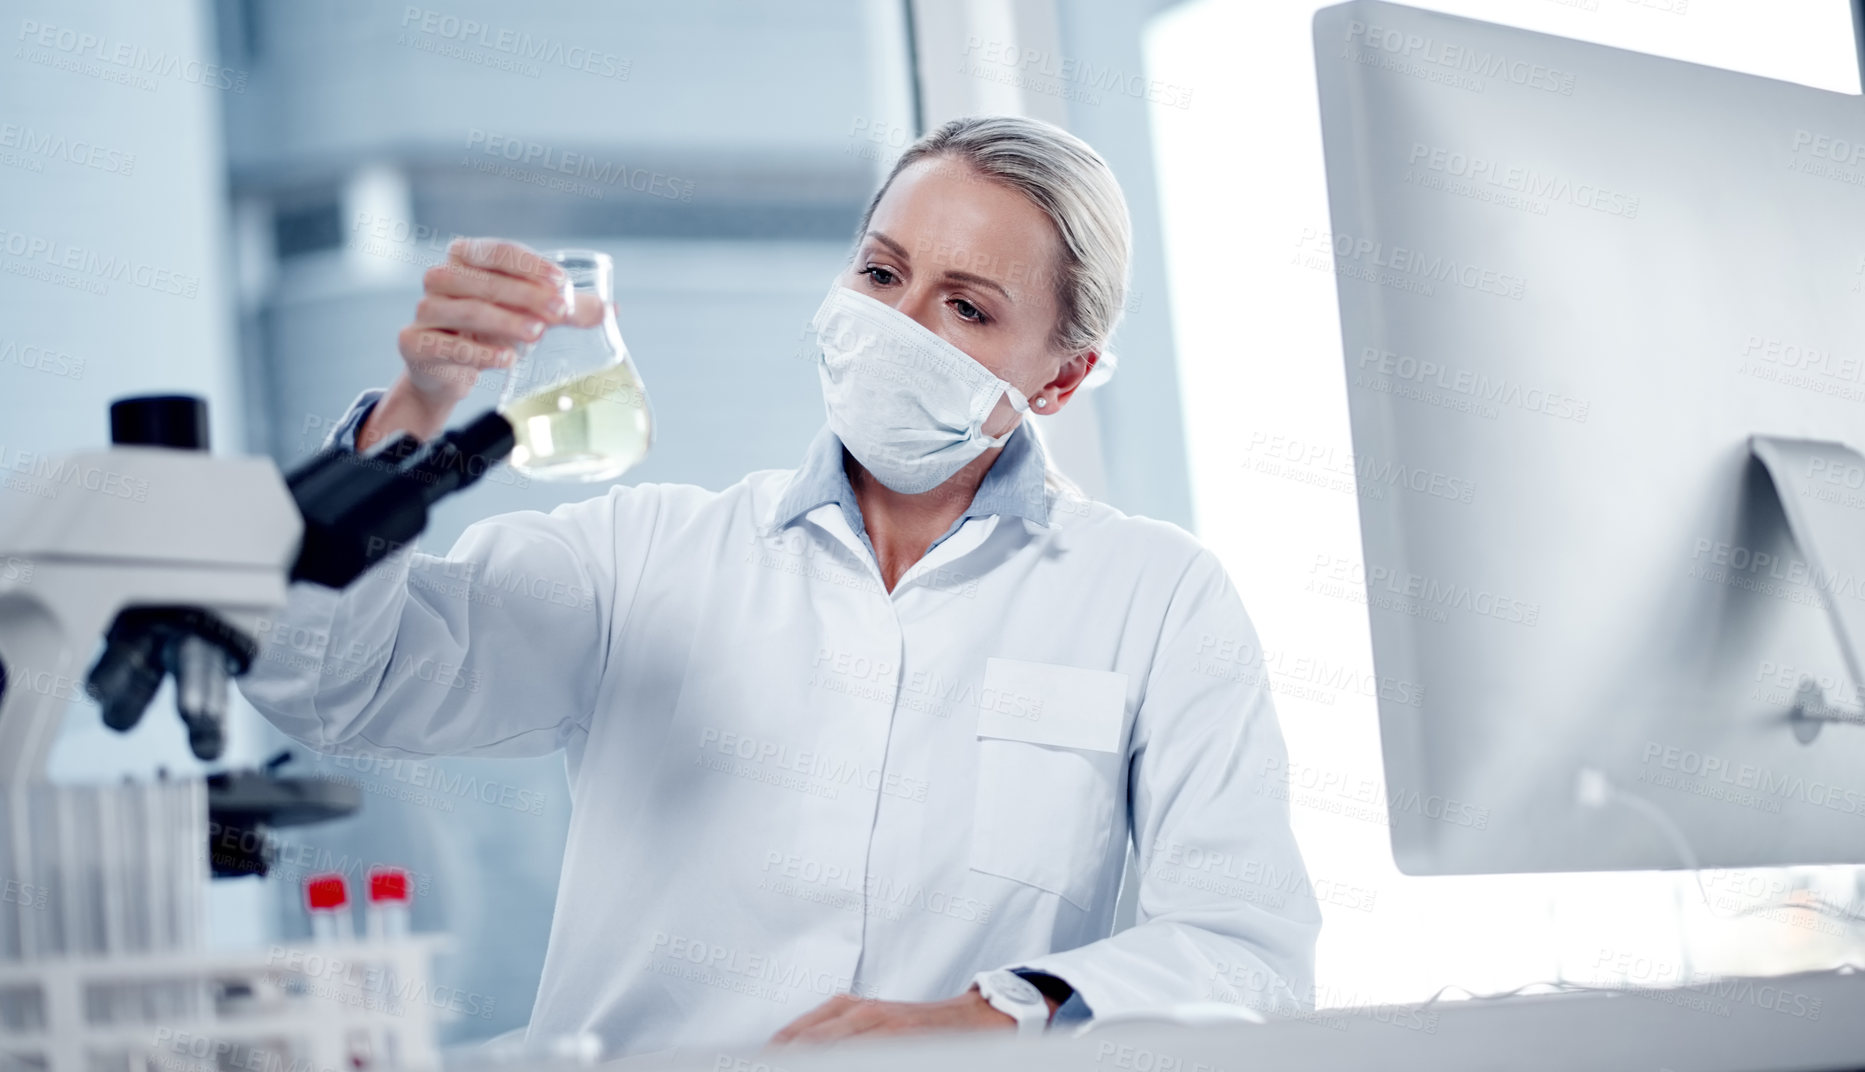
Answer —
1067 379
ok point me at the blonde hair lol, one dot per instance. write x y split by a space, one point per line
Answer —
1072 184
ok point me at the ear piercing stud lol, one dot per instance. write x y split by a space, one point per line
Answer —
1041 402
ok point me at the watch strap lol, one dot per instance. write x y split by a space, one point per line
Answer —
1031 1017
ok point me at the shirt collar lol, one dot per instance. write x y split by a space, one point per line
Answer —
1014 486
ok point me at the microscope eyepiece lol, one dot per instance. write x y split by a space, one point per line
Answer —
359 508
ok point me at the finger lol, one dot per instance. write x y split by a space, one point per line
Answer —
440 361
502 356
483 319
826 1011
890 1026
498 255
589 310
859 1018
524 295
431 346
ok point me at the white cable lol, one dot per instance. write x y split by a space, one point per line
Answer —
1558 986
1594 789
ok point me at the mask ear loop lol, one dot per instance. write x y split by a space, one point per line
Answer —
1018 401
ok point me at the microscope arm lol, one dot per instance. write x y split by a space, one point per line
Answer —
130 527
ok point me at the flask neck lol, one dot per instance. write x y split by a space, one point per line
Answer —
589 273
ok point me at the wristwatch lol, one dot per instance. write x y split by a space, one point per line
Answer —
1016 997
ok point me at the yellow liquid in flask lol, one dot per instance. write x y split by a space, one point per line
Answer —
594 427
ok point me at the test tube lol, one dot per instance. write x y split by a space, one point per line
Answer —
387 921
192 930
76 860
387 918
41 938
26 913
327 898
114 864
159 909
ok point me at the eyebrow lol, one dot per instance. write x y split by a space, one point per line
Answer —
963 277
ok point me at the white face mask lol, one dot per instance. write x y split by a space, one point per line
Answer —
907 404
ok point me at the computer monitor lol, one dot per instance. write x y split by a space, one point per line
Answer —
1575 282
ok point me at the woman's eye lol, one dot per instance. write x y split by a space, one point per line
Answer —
881 276
968 311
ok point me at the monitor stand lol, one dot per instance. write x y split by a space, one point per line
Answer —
1821 487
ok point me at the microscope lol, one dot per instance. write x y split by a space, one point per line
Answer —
174 557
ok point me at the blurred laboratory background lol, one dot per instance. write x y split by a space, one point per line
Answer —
278 176
263 183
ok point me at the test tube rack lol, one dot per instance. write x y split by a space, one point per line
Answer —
104 966
337 1007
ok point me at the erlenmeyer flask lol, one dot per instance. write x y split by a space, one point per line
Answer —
576 405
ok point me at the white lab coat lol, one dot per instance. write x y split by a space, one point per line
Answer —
788 782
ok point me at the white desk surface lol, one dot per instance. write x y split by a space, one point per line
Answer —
1809 1021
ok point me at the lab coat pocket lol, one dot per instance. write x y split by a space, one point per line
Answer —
1050 769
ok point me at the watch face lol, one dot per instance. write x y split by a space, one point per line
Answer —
1018 989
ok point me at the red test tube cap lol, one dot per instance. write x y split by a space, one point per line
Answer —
388 884
324 893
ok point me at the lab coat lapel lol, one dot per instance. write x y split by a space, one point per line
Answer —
970 536
828 517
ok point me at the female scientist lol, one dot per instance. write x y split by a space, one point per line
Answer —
855 747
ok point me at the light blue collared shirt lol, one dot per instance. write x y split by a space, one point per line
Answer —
1013 486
